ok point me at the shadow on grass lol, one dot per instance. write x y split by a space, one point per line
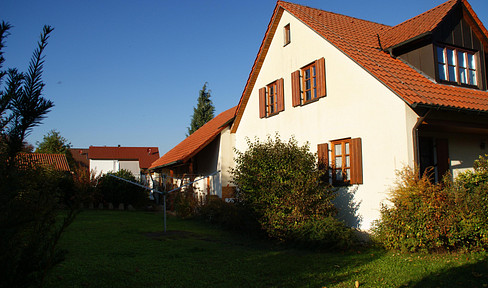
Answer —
469 275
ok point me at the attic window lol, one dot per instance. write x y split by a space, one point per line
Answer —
287 34
456 66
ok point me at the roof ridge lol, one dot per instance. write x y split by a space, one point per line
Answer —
426 12
335 13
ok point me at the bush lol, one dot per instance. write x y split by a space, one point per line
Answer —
31 225
282 187
424 216
228 215
116 191
185 203
325 233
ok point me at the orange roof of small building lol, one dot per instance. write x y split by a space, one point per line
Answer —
54 161
145 155
358 39
194 143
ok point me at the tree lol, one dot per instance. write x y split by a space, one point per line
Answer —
204 111
30 197
281 183
53 143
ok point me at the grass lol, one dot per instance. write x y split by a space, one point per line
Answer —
127 249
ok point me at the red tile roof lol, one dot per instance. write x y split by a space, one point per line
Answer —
145 155
416 26
55 161
358 39
194 143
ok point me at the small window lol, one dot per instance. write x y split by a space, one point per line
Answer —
287 34
308 83
456 66
271 99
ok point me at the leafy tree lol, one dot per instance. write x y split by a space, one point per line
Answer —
30 198
116 191
204 111
54 143
281 184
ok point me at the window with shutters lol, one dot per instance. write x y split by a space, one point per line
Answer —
308 83
346 161
271 99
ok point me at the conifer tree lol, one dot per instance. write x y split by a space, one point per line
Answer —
204 111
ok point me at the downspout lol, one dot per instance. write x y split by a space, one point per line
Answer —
415 133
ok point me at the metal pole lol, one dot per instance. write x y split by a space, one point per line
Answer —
164 211
164 202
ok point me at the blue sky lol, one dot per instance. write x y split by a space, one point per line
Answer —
128 72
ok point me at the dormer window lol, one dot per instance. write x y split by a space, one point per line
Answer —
456 65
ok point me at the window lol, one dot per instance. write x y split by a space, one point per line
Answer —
271 99
287 34
346 156
308 83
456 65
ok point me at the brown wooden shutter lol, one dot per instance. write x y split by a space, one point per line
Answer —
281 96
295 88
323 155
320 68
356 161
262 102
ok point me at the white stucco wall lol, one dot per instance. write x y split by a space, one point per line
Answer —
104 166
132 166
226 156
356 105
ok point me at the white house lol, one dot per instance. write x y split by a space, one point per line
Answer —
103 159
370 98
206 152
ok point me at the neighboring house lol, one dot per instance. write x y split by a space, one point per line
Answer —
49 161
204 152
137 160
370 98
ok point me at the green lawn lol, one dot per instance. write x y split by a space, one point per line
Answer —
128 249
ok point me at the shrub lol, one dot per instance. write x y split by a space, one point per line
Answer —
426 216
31 224
281 185
185 203
232 216
116 191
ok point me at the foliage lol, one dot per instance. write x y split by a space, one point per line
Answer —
232 216
204 111
116 191
282 186
30 198
185 203
29 225
446 216
54 143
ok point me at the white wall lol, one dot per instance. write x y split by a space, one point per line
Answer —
356 105
105 166
226 156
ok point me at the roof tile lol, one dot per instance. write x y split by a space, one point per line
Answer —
145 155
